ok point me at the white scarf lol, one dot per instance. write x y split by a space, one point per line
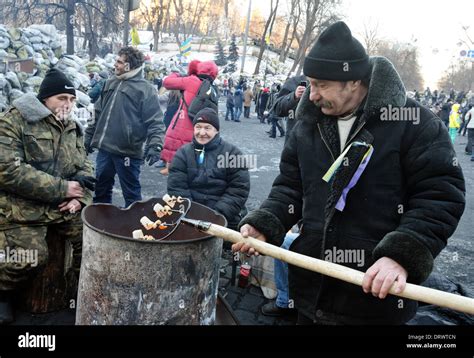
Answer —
129 74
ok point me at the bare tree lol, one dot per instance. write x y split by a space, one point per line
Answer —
459 75
225 4
405 58
293 4
370 36
268 25
187 18
295 21
98 17
467 39
154 15
317 15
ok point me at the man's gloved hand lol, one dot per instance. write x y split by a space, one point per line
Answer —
87 145
152 155
86 182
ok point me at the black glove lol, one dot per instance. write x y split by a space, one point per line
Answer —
87 145
152 155
86 182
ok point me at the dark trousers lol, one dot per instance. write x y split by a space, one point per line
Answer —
247 112
463 125
128 171
231 111
470 142
276 125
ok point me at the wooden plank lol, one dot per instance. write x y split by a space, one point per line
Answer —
26 65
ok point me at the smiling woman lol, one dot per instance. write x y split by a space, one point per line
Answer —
206 126
199 173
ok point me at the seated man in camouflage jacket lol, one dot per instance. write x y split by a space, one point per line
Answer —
45 180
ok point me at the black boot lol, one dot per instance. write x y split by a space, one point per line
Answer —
6 309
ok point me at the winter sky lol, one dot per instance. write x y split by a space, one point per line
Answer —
434 26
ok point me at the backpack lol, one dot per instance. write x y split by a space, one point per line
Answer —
206 97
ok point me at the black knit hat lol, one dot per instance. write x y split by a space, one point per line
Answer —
55 82
337 56
207 115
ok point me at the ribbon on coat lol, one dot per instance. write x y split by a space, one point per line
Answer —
341 203
200 158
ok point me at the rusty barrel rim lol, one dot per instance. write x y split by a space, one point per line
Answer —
152 242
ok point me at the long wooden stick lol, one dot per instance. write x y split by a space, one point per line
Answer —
411 291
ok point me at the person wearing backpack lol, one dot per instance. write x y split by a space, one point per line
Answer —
180 131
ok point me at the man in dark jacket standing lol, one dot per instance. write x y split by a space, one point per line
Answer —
385 206
288 99
273 118
127 114
211 171
444 113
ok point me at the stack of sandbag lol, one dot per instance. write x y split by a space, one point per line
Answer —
37 42
5 90
42 40
74 68
41 44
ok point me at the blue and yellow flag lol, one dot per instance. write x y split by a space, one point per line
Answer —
185 48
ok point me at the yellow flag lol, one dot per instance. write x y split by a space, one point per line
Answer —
135 37
267 39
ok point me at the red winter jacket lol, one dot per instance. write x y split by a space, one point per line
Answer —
180 130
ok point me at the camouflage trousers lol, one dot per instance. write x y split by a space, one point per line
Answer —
23 250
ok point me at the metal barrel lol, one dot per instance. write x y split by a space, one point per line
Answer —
126 281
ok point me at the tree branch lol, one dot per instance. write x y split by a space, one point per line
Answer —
105 16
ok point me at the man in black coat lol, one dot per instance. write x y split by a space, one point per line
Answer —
386 206
211 171
444 113
288 99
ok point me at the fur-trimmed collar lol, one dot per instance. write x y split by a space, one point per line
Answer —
385 88
31 108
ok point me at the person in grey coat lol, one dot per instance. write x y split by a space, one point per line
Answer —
126 115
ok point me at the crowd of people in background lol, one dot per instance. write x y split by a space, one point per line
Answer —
240 95
454 109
